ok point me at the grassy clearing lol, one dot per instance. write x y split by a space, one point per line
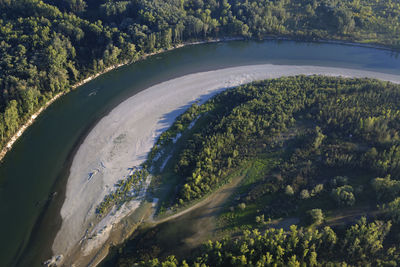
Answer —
235 218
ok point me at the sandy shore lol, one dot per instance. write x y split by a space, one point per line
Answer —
33 117
123 138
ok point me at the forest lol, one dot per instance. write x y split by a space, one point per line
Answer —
240 120
320 151
360 245
47 46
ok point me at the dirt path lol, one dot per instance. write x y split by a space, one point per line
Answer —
192 227
351 216
214 202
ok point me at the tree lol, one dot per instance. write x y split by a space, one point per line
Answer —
30 100
167 38
319 137
151 42
77 6
130 51
57 61
392 210
2 127
178 31
11 117
242 206
339 181
386 189
317 189
304 194
194 26
363 241
289 190
344 195
315 216
110 56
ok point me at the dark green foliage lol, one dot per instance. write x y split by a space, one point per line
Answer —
339 181
315 216
392 210
362 244
244 119
304 194
343 195
386 189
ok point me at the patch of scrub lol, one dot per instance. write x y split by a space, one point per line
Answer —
102 230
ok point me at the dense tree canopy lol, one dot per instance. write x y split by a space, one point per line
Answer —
360 245
359 110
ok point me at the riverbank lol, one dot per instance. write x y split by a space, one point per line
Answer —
179 234
116 143
25 126
356 43
33 117
31 120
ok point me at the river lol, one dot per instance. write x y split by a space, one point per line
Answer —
33 174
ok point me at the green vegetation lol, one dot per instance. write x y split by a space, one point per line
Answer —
311 151
47 45
361 245
126 190
181 124
344 196
315 216
243 121
392 210
386 188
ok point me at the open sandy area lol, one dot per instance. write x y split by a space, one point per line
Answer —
123 138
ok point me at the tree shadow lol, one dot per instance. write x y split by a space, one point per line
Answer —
169 118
